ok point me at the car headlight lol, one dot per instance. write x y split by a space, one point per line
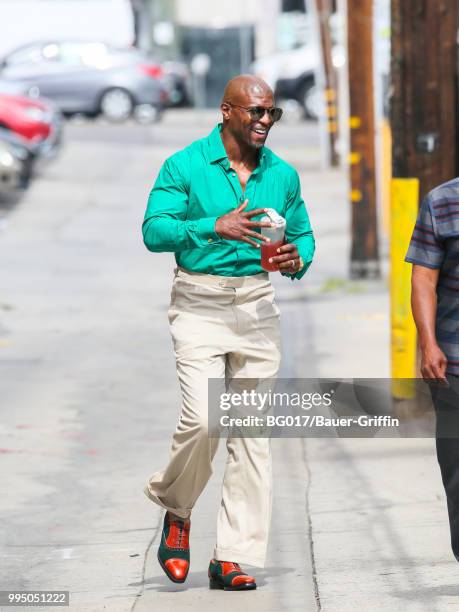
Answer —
6 159
34 113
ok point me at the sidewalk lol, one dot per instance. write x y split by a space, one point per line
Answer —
379 526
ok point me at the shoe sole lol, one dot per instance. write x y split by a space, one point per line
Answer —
249 586
166 571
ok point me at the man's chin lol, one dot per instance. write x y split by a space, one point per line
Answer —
257 143
257 140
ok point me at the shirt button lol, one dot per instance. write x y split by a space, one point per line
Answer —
209 240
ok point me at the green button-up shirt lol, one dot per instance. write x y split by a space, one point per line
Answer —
196 185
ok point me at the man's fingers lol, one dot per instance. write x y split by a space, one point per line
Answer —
436 370
248 232
288 258
433 370
439 371
288 265
252 213
285 257
258 224
287 248
252 242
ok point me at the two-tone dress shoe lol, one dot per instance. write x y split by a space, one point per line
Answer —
228 576
174 549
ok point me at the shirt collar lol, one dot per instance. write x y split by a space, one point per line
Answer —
217 149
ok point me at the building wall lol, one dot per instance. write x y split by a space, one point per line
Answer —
23 21
262 14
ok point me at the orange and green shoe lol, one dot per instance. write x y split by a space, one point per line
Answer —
174 549
228 576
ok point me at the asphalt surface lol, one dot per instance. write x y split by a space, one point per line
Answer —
89 401
89 390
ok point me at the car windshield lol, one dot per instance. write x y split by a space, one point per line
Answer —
27 55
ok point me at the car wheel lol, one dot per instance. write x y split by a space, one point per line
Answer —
146 113
310 97
116 104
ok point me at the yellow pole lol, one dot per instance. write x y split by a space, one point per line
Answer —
404 209
386 174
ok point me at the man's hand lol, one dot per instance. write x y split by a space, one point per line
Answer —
433 364
288 258
236 225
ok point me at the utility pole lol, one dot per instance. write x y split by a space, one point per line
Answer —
324 10
364 249
425 152
424 85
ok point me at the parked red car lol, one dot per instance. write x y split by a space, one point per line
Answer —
35 120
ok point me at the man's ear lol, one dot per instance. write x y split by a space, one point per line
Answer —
225 108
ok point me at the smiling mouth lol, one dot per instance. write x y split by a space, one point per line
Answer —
260 131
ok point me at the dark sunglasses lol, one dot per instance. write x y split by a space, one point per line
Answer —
257 112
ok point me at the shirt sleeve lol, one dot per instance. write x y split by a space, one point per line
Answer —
165 226
426 247
298 230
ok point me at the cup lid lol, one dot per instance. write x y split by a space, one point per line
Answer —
275 217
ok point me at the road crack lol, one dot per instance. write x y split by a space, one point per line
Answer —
310 530
144 566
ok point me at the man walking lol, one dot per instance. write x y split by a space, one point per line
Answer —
434 251
223 319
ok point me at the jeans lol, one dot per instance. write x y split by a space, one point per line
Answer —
446 402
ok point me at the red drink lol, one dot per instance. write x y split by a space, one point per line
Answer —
268 250
276 233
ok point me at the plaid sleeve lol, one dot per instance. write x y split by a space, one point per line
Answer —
426 248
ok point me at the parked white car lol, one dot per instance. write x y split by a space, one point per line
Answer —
292 76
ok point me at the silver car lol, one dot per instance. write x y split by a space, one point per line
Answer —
91 78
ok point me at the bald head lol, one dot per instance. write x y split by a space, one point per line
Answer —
242 97
245 86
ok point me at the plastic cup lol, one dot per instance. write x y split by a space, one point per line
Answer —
276 234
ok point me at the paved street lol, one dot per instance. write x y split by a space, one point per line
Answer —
89 400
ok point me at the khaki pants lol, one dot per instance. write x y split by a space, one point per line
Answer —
222 327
